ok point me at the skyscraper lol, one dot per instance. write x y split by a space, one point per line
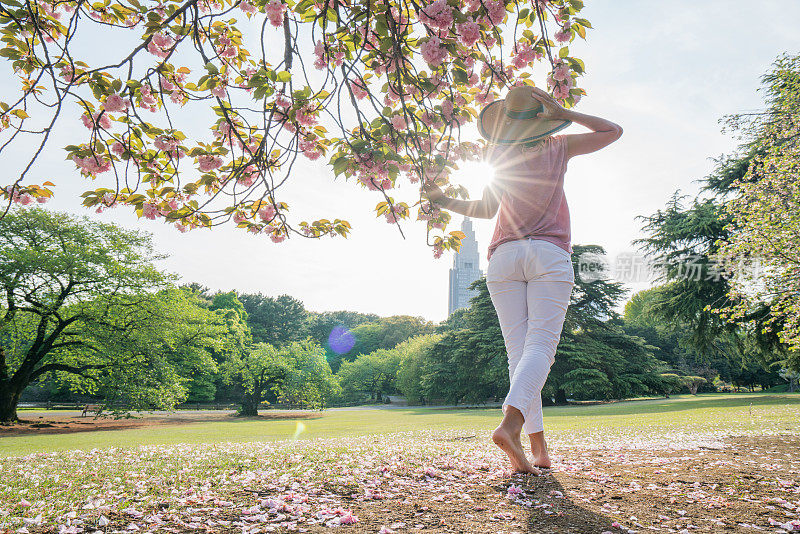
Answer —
465 270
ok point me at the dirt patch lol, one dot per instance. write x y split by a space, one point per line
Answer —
749 485
69 422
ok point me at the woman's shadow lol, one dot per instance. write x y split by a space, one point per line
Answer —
550 509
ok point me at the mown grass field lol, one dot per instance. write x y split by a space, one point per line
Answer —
720 413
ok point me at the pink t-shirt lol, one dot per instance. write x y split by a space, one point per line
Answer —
532 184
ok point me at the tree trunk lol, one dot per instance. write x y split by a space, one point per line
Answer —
249 409
250 402
9 398
561 396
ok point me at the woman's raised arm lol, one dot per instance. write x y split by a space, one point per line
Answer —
485 208
604 132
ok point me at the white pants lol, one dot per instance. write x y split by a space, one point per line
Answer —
530 282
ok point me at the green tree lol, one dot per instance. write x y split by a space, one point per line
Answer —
254 373
763 212
277 321
62 276
319 327
387 333
310 381
372 374
414 358
296 373
228 301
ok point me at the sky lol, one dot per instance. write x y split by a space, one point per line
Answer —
665 71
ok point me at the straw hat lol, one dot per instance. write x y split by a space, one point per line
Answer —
513 120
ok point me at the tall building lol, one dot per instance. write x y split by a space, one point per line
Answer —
465 270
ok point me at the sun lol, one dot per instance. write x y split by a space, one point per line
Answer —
474 175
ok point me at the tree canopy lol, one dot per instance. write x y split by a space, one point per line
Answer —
391 87
83 298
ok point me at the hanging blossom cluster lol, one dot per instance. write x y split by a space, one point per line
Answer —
376 117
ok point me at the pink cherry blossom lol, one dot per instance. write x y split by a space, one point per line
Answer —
497 10
437 14
433 52
160 45
447 110
247 7
282 100
275 11
428 211
305 115
166 84
561 72
166 143
309 148
484 98
100 119
220 91
358 90
394 214
148 100
564 35
115 103
319 52
561 92
209 163
247 179
469 32
92 165
267 213
149 210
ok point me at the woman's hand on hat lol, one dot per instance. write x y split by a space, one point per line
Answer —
550 108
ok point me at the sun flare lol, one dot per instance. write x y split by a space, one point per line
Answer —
474 176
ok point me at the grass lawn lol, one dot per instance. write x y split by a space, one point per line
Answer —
735 414
711 463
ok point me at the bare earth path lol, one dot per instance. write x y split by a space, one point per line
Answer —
66 422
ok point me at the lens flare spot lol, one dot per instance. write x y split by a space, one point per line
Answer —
298 429
341 340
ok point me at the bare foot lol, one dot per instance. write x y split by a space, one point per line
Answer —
512 446
539 451
543 461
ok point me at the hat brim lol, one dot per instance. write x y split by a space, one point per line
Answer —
495 126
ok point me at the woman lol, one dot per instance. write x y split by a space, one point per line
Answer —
530 275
